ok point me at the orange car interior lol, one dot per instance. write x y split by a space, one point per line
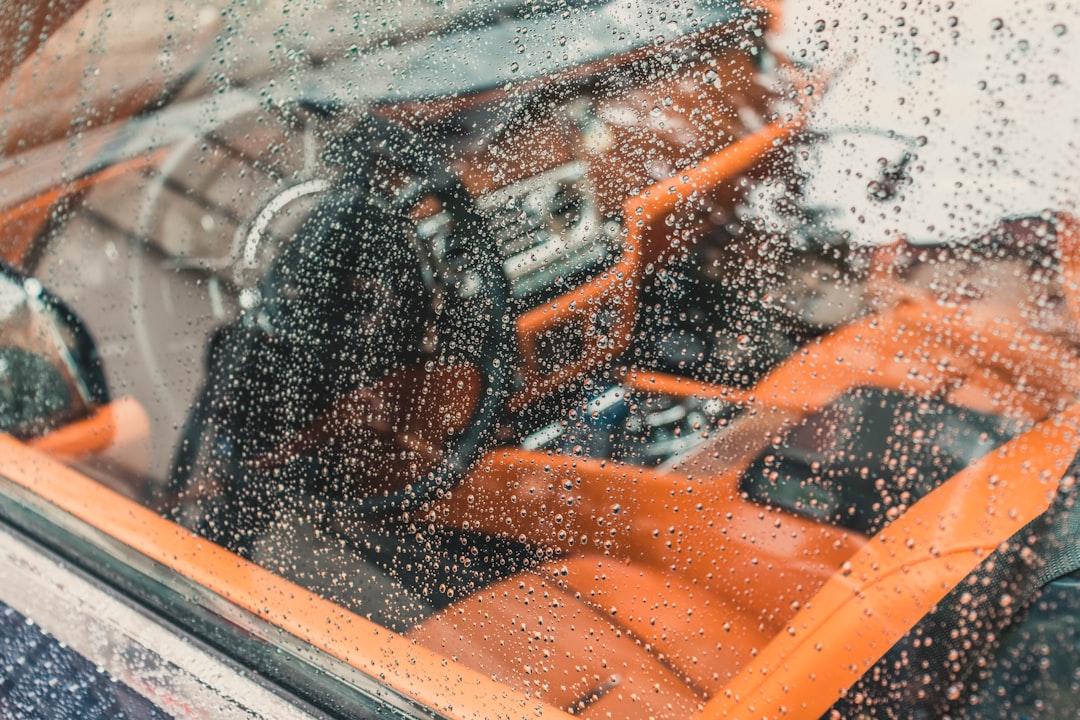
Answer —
668 593
599 633
664 602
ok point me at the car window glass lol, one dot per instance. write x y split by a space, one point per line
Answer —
581 343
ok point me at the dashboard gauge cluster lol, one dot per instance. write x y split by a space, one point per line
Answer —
550 230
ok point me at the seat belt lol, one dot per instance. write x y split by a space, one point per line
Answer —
1059 548
928 672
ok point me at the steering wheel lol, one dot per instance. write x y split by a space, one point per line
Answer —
371 371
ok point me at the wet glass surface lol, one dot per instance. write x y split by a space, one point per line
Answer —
590 345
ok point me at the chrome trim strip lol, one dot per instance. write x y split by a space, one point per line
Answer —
294 667
157 662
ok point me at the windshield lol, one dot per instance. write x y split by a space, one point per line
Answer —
611 354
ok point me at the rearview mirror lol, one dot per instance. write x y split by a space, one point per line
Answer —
50 372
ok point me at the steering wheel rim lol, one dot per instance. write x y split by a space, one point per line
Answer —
386 170
395 144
